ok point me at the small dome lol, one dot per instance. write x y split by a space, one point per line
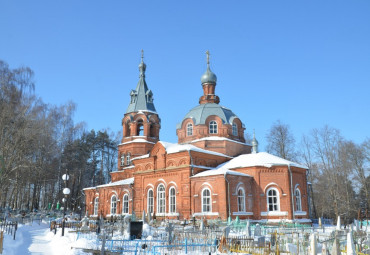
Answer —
208 77
254 141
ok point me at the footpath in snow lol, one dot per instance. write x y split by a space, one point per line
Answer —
37 239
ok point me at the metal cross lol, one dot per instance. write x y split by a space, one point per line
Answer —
207 52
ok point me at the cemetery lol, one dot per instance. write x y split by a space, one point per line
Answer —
142 234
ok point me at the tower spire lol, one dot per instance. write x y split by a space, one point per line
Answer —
141 97
142 65
254 143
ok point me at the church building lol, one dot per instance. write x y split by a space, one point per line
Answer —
210 173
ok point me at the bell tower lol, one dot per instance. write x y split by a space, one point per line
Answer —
140 124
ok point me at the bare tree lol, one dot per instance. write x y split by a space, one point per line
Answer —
280 141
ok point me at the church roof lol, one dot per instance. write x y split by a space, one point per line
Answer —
121 182
174 148
200 113
142 97
218 172
258 159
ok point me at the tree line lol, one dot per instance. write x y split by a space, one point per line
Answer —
338 172
39 142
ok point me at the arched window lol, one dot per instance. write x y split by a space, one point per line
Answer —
189 129
241 200
150 201
206 200
235 129
128 159
298 203
128 129
273 200
125 204
113 205
172 200
140 128
152 130
96 206
122 159
161 199
213 127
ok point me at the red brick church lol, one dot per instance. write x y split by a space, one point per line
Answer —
211 172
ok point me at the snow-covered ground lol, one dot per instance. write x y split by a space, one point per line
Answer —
37 239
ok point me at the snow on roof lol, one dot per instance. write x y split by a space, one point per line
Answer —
174 148
219 171
89 188
258 159
143 156
217 138
138 140
121 182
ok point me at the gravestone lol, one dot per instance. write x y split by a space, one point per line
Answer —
169 230
324 249
226 231
336 248
143 217
257 230
248 229
150 221
338 223
350 244
313 244
237 221
85 224
259 241
136 229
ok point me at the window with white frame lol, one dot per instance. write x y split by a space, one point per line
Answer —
273 200
298 203
235 129
161 199
213 127
150 201
113 205
172 200
128 159
189 129
122 159
96 206
125 204
241 200
206 200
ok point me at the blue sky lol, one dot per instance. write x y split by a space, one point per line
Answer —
306 63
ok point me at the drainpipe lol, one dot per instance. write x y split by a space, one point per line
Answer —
192 173
133 195
228 194
191 163
291 190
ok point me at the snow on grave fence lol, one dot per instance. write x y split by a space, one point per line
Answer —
9 228
156 246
